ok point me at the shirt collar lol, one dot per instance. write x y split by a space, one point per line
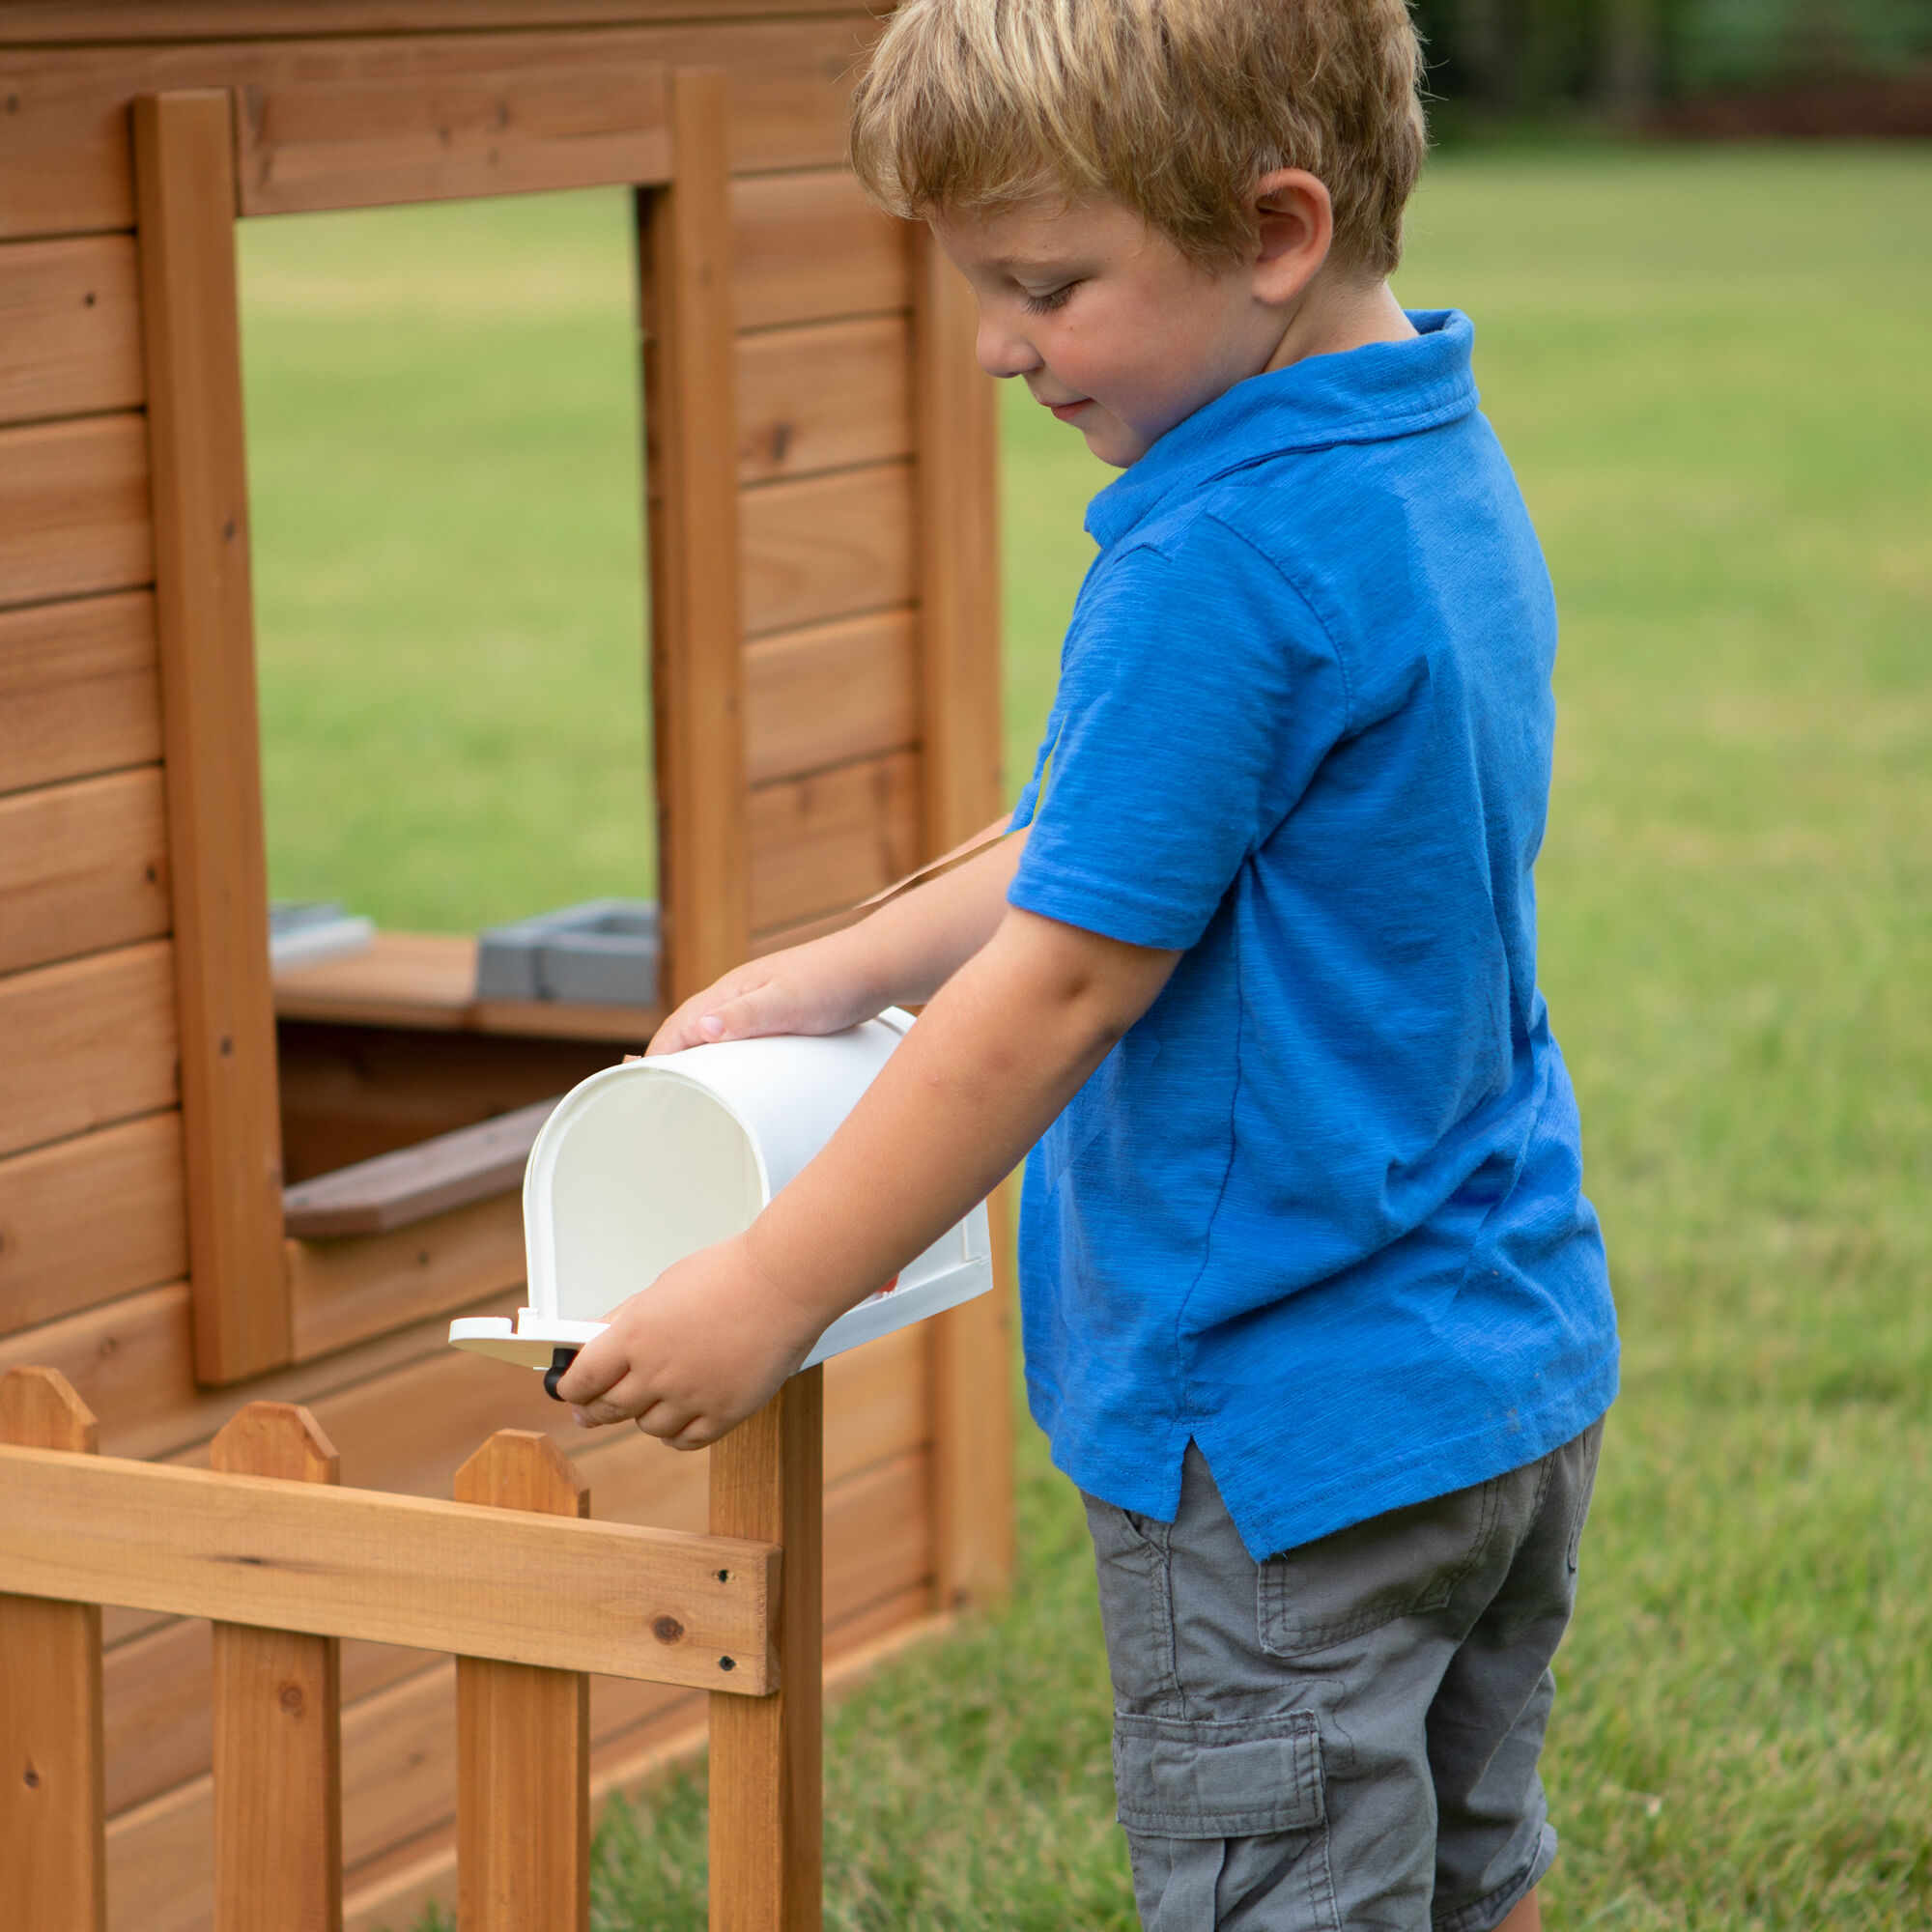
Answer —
1371 394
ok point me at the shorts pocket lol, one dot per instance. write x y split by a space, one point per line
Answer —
1404 1563
1176 1778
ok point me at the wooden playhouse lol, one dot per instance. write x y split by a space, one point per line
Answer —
217 1185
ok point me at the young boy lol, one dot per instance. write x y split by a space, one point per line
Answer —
1316 1313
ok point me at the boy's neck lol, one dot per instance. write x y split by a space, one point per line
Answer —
1334 316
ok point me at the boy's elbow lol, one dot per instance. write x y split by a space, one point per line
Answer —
1100 986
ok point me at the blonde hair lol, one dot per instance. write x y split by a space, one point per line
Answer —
1173 107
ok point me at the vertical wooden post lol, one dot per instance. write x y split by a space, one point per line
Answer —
523 1736
53 1871
959 559
185 181
277 1723
969 1355
767 1851
968 1364
691 422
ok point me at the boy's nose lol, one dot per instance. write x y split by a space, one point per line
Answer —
1003 351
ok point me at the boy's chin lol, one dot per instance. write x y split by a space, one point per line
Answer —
1115 444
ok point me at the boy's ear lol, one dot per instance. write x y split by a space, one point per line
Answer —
1294 228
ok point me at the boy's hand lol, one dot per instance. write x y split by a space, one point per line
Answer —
706 1345
804 989
902 955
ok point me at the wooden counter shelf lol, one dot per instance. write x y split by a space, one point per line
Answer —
427 980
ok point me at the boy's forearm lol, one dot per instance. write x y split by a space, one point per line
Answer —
908 950
1000 1050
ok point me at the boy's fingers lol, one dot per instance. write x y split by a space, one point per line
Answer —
666 1420
588 1377
699 1433
732 1019
720 1012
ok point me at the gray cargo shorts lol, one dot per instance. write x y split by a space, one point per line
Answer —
1347 1734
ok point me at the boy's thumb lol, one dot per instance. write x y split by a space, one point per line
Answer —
740 1018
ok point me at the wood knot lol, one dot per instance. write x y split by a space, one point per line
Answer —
668 1629
32 1778
291 1699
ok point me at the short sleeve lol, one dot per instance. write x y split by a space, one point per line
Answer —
1199 693
1028 800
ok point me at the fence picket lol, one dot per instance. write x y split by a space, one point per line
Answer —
277 1723
52 1841
523 1750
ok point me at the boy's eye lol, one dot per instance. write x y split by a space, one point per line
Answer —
1048 301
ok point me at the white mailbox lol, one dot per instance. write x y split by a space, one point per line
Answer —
647 1162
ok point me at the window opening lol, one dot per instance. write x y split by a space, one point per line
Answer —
446 455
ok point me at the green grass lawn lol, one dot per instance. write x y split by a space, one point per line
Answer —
1709 369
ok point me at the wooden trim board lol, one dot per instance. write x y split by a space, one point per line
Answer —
184 175
697 710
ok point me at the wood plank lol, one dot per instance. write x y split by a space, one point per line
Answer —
810 246
824 396
522 1766
697 671
958 562
74 509
30 22
397 1189
277 1723
184 174
766 1784
828 546
407 1570
64 150
821 843
70 328
52 1847
87 1042
132 1361
830 693
83 866
58 1252
878 1534
157 1691
351 1290
407 126
78 690
408 1428
427 981
160 1860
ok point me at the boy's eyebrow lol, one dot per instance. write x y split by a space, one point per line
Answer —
1039 265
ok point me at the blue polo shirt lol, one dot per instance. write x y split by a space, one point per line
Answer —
1320 1210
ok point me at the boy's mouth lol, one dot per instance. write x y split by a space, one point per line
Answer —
1067 411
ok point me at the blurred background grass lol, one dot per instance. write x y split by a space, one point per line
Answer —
1709 368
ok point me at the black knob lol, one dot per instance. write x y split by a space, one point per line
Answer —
559 1360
